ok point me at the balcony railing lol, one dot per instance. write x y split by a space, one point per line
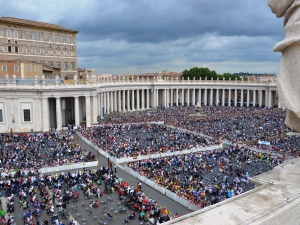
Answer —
96 81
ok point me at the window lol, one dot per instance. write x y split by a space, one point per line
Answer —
24 49
72 53
16 34
9 48
58 65
65 53
30 68
42 50
34 68
16 68
8 33
51 63
1 48
1 116
24 34
26 113
66 66
33 35
65 39
58 52
72 40
33 50
73 65
50 37
25 68
41 37
50 52
1 32
4 68
16 49
57 38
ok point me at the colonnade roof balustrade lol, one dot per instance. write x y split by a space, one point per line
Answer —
97 81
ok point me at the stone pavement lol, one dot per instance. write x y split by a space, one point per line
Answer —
162 200
84 215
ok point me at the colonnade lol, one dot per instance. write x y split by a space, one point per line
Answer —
140 99
88 106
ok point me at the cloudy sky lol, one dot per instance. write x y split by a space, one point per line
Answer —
139 36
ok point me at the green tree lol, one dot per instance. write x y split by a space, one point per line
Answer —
204 72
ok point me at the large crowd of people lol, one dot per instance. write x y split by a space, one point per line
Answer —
205 178
140 139
33 151
234 124
45 199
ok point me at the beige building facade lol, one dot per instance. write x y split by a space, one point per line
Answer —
43 43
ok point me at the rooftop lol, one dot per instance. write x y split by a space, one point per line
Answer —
35 24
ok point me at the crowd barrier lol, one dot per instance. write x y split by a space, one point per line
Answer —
100 125
56 169
150 156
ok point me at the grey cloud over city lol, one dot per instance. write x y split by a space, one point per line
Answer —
139 36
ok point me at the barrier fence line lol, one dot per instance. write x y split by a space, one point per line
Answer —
143 157
55 169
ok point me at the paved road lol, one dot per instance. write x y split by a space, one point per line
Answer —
92 218
162 200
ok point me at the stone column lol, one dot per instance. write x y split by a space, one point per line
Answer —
132 100
248 98
217 96
269 98
88 110
95 111
235 97
182 96
188 96
76 105
119 101
260 98
123 100
229 97
254 98
108 102
242 98
171 97
200 96
194 96
211 96
266 98
114 97
165 97
205 96
104 102
102 105
148 98
143 98
45 114
223 97
128 100
138 99
176 100
58 114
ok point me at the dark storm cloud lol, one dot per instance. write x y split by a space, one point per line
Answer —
159 21
121 36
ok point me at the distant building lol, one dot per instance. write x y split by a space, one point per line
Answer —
44 43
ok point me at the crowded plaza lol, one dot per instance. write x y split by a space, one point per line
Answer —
254 141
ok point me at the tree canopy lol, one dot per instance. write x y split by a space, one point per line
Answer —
204 72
